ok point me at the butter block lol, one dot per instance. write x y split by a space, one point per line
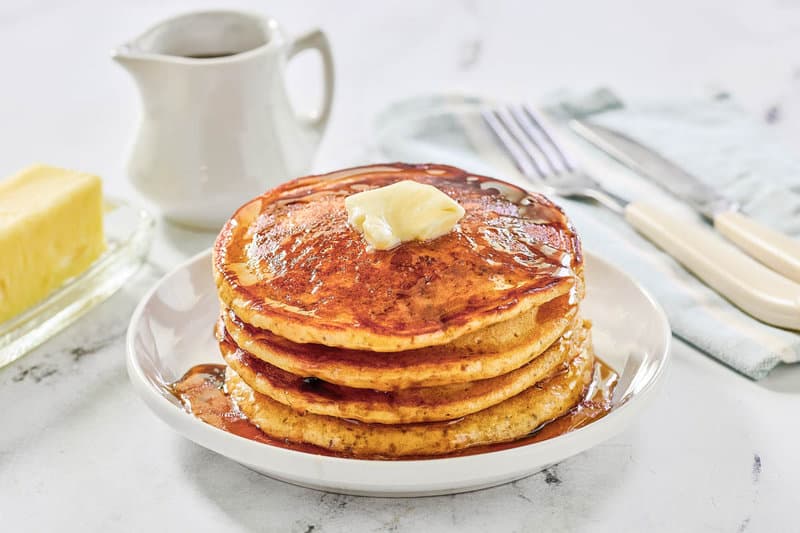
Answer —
51 229
401 212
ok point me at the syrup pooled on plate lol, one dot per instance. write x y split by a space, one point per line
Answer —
201 392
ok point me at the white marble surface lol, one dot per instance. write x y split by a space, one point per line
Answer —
79 452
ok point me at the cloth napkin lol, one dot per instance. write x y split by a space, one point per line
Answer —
712 139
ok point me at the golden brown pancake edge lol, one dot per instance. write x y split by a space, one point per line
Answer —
427 404
507 421
492 351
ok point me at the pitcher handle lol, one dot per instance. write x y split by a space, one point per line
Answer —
316 40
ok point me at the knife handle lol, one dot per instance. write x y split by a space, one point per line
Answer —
748 284
776 250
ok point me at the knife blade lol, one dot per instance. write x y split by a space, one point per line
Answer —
656 167
774 249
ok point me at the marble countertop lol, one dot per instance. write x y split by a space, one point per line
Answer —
80 452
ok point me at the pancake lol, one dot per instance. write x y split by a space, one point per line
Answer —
509 420
428 404
288 262
492 351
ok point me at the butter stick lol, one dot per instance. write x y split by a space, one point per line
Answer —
51 229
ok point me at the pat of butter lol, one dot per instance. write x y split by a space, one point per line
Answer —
401 212
51 229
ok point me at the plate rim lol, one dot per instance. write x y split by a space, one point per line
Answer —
210 436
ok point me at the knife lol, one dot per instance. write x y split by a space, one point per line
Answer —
774 249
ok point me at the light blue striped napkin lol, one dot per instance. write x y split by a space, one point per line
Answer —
713 139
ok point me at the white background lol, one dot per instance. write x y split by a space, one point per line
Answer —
78 451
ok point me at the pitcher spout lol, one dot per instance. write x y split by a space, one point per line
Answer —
128 55
129 58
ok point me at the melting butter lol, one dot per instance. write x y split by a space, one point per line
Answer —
401 212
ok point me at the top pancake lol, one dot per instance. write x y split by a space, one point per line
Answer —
288 262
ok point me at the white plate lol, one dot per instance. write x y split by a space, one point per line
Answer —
171 330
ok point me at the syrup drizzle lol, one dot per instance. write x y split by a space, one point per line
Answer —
293 246
201 392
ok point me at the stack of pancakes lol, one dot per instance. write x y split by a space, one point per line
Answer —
470 339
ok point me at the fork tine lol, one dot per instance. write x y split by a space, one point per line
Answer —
512 144
562 154
533 152
534 133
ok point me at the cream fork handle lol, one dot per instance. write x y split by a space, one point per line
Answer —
751 286
776 250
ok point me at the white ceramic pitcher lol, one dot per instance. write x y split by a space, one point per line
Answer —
217 127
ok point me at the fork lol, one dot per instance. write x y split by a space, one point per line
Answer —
543 160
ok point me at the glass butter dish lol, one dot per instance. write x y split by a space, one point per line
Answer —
128 232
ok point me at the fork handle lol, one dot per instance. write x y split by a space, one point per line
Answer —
773 248
748 284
